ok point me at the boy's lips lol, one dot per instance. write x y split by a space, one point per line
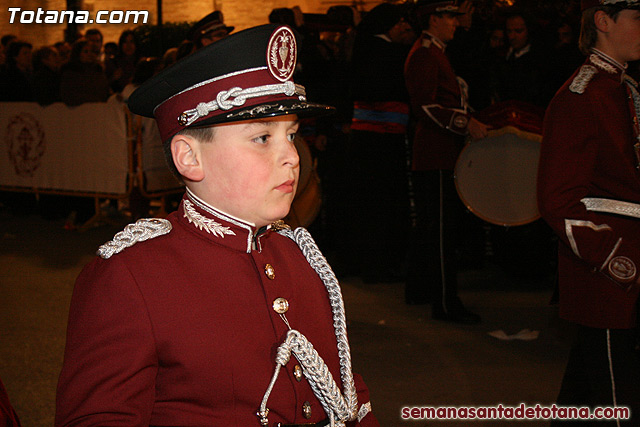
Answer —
287 186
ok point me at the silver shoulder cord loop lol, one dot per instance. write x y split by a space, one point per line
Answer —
339 407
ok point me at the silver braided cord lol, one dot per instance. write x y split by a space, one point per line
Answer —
141 230
236 97
319 263
316 372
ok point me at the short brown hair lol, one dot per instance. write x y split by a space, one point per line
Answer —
588 30
202 134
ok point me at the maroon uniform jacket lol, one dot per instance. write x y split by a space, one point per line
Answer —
180 329
438 103
587 167
8 416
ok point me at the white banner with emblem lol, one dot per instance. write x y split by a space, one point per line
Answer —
80 149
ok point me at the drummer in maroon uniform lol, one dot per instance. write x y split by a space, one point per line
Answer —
220 315
438 102
589 192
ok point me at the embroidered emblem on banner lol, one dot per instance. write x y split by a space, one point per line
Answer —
622 269
25 143
282 54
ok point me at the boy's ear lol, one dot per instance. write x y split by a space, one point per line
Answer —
601 19
186 156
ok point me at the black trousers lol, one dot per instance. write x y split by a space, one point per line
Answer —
603 370
432 261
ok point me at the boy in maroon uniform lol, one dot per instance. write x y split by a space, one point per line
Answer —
589 193
192 320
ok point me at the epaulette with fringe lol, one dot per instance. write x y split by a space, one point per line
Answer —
580 82
141 230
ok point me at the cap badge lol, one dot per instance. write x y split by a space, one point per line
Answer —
282 54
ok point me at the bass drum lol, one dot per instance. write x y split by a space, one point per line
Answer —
308 199
496 177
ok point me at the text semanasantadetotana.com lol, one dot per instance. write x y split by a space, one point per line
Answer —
522 412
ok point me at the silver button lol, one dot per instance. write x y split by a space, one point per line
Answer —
280 305
270 271
297 373
306 410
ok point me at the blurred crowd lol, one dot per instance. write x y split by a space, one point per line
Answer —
494 51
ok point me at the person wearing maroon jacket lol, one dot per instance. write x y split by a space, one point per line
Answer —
589 193
438 103
219 315
8 416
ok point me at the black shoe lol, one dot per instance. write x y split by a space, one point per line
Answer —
455 315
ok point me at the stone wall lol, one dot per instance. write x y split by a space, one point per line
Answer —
239 13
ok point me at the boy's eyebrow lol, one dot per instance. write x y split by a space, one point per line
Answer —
251 125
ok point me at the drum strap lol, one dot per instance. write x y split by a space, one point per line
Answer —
617 207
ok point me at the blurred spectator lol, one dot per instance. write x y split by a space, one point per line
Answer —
82 78
146 68
467 53
170 57
283 15
46 75
187 47
64 51
4 41
496 43
110 50
209 29
522 75
15 75
378 150
566 55
119 70
94 37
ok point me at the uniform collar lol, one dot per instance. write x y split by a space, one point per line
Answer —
517 54
436 41
224 229
604 62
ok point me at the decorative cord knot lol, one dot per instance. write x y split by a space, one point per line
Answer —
283 354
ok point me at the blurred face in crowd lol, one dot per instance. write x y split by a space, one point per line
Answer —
64 50
52 60
95 40
443 26
621 36
517 32
401 33
213 36
23 59
129 46
496 39
87 54
565 34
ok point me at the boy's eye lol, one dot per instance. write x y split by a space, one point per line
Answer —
262 139
291 137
